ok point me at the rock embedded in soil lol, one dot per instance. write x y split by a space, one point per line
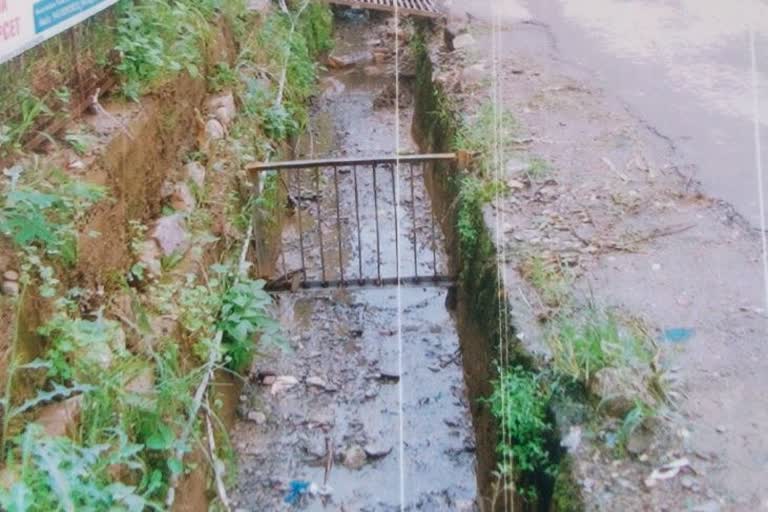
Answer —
223 108
11 275
283 383
376 450
257 417
354 458
258 5
60 419
316 382
143 383
171 235
340 61
464 41
195 172
182 198
10 288
214 130
618 390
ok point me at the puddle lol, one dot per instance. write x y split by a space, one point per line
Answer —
373 420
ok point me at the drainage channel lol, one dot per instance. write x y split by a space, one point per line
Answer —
366 409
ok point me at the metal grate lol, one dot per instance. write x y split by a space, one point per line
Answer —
365 196
425 8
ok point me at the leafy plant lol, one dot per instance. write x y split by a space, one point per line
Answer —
519 404
81 349
56 474
157 39
30 108
223 77
46 215
245 313
632 421
79 142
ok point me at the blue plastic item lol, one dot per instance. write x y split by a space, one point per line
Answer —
298 487
678 334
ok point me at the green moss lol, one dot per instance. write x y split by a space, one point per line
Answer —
566 496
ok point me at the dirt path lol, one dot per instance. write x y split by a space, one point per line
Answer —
326 413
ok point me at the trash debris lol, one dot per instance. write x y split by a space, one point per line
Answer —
316 382
283 383
678 334
572 440
666 471
297 489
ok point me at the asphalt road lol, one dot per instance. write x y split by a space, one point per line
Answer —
683 66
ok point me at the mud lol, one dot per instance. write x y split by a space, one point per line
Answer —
367 402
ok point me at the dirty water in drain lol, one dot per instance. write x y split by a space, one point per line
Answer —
319 423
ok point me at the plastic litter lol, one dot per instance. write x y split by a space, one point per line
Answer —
678 334
297 489
667 471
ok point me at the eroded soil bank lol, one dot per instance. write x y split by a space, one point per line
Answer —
367 405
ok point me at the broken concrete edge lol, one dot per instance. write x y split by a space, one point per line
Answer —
485 301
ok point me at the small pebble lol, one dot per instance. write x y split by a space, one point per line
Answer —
257 417
10 288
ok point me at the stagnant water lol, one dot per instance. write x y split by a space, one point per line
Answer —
340 426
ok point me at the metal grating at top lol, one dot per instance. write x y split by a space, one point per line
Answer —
425 8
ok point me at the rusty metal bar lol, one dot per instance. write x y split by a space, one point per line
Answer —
345 162
386 281
359 235
282 234
423 8
394 169
338 222
319 222
376 216
415 225
434 238
301 227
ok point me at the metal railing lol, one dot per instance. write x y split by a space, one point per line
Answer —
424 8
314 242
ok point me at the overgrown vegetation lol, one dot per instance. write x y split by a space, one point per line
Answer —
157 39
519 403
474 194
488 135
595 339
133 384
548 278
41 211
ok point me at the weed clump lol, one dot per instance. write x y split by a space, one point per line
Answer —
519 403
595 340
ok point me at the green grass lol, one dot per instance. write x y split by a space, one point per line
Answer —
548 279
593 339
537 169
488 134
